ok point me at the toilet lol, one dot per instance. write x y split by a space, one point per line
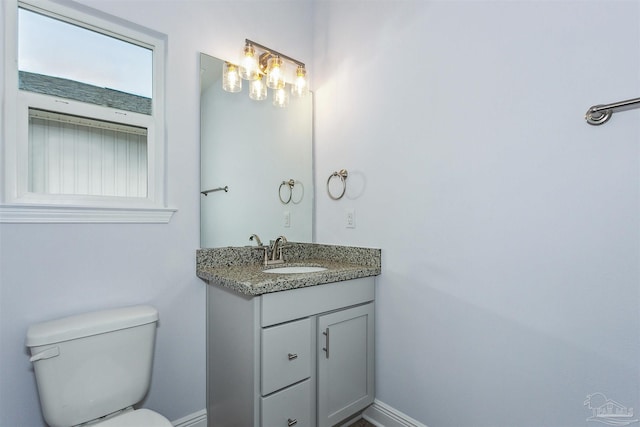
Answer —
92 368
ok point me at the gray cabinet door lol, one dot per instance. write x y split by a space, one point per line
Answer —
345 363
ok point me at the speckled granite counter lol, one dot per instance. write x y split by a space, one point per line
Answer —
241 268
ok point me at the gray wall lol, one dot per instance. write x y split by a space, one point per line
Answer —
509 227
48 271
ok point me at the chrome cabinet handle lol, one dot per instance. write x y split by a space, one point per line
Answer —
291 422
292 356
326 348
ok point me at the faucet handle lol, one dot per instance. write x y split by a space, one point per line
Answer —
282 241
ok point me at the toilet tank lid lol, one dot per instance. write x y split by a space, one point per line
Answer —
87 324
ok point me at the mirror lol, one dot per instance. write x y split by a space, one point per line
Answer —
262 154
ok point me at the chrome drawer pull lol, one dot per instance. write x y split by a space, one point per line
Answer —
292 422
292 356
326 348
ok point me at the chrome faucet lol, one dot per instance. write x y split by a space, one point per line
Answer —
265 249
276 250
257 239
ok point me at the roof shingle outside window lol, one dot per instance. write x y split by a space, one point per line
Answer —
71 89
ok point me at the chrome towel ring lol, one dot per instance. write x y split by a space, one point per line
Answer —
342 174
289 185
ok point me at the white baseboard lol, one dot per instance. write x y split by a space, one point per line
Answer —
197 419
379 414
383 415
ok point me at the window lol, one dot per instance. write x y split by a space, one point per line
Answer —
84 118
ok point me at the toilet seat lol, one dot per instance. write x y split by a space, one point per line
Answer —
137 418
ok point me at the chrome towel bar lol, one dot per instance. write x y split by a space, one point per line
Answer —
225 188
600 114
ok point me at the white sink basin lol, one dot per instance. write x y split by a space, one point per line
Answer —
293 269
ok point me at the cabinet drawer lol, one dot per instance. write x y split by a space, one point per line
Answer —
279 307
286 355
290 407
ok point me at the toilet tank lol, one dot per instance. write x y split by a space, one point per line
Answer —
93 364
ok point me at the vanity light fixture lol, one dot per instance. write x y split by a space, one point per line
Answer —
264 67
258 89
231 81
249 63
300 86
275 73
280 97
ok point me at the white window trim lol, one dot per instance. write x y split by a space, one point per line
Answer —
17 205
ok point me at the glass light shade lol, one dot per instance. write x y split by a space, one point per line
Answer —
300 86
231 81
257 89
275 73
280 97
249 64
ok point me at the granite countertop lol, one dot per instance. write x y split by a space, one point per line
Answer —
241 268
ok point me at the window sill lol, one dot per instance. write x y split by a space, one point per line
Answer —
34 214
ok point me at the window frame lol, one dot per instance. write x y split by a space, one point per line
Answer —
17 204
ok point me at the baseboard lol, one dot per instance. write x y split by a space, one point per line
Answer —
379 414
197 419
383 415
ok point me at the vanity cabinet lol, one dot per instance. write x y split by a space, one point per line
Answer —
301 357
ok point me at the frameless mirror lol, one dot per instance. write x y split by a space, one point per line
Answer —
261 155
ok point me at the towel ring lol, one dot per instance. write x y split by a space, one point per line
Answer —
342 174
290 184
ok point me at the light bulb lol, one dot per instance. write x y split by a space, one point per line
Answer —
257 89
231 81
280 97
300 86
275 73
249 63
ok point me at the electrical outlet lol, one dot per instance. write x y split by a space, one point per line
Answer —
286 219
350 218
